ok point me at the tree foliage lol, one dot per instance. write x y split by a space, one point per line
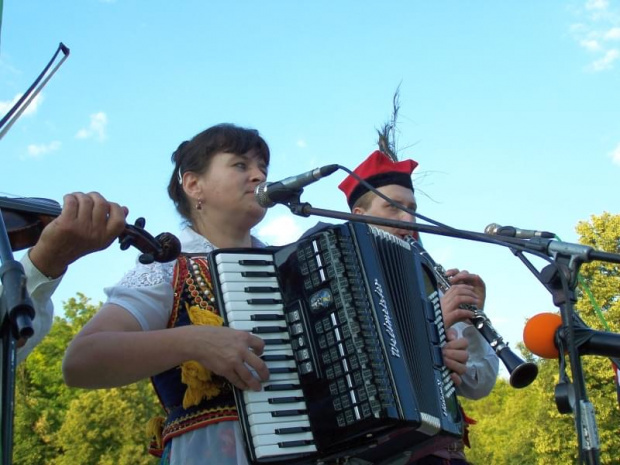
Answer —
525 426
58 425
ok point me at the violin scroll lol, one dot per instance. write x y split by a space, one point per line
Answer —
163 248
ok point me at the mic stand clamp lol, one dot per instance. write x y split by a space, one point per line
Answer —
300 208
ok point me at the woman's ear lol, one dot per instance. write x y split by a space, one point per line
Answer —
191 185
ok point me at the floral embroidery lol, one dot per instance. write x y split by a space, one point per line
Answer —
148 275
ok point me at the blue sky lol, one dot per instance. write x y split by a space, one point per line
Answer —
510 108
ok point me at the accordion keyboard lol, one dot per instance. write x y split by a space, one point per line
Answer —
277 416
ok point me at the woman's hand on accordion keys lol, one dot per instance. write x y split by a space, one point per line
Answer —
466 289
455 355
233 354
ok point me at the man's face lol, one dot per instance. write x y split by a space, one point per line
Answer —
381 208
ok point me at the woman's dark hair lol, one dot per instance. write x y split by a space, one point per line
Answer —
195 155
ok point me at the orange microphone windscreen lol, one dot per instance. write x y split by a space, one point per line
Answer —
539 334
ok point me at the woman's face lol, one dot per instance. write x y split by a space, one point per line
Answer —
228 186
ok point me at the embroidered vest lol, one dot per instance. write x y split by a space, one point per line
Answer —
191 396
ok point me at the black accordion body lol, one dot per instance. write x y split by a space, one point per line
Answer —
353 330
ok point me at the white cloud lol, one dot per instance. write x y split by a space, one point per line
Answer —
615 155
613 33
280 230
30 110
590 44
597 28
607 61
38 150
96 128
301 144
597 4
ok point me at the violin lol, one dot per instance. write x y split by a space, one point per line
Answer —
25 219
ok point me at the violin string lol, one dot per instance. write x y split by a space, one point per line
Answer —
42 205
10 195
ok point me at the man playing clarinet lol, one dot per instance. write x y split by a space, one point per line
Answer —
473 363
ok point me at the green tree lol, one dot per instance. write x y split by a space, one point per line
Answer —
107 427
41 397
55 424
505 428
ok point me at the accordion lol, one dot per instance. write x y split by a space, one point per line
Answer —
353 333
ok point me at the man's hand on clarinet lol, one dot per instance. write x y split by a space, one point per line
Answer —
466 289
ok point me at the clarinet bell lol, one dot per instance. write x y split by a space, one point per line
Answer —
522 373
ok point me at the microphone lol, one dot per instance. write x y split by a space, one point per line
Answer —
269 193
543 331
539 334
495 229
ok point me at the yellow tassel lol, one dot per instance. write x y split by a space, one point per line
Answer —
199 383
154 428
200 316
197 377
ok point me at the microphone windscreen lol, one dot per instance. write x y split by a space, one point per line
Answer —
539 334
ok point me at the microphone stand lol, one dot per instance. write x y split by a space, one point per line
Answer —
560 278
16 314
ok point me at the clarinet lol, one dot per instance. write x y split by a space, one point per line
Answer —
522 373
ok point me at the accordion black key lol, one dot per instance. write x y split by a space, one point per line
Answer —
353 331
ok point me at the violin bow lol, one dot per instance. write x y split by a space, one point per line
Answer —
20 106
